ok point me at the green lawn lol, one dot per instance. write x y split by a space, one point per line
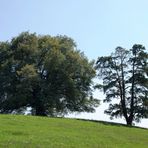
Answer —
40 132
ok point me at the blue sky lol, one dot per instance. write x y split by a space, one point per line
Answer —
97 26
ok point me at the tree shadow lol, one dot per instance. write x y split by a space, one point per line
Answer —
111 123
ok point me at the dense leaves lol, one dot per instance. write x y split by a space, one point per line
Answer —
125 82
45 73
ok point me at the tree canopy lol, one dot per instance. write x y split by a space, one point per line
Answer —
125 82
45 73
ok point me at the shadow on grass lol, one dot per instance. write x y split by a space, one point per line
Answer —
111 123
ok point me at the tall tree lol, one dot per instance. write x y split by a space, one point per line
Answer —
49 75
125 82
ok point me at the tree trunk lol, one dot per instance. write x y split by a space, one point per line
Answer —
132 92
129 121
39 110
38 104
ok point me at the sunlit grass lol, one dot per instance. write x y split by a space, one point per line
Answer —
37 132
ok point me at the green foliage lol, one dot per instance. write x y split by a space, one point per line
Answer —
125 80
26 131
47 74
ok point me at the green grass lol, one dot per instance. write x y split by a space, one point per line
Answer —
40 132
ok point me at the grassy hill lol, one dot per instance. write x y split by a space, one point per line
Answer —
40 132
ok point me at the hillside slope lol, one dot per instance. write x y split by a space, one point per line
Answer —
29 132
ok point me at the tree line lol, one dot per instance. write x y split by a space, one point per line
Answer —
53 78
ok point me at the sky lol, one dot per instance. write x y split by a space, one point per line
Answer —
97 26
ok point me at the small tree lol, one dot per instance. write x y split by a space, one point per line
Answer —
125 78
